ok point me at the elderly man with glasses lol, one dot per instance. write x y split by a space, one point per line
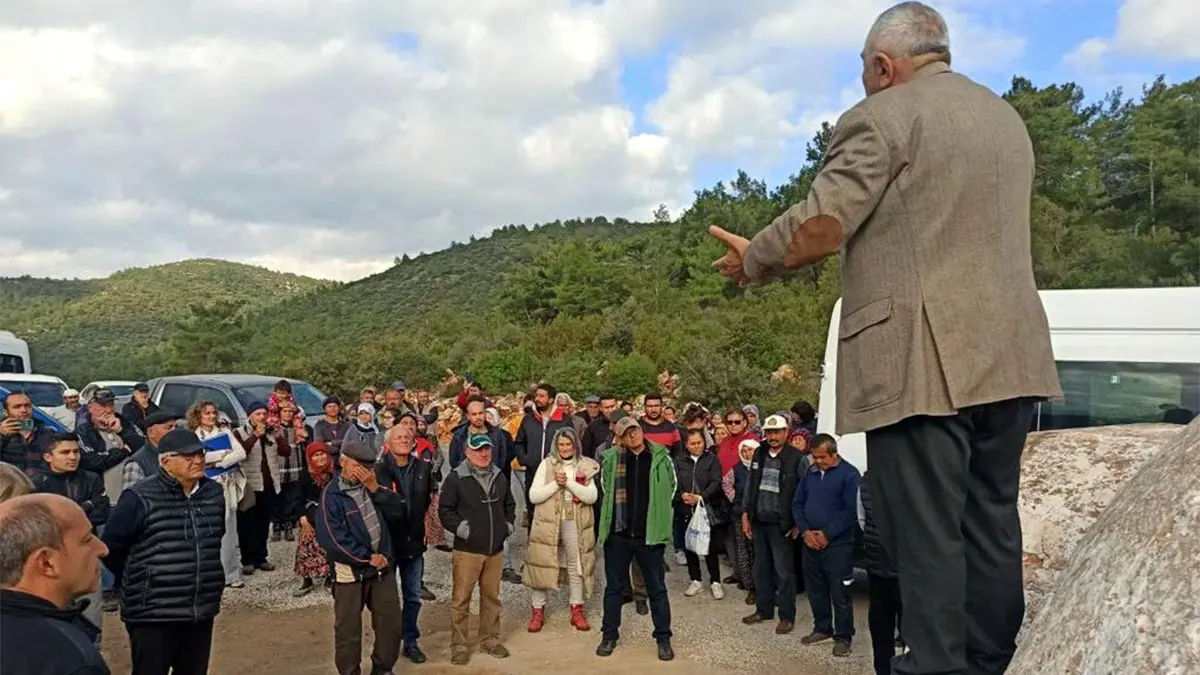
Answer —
164 549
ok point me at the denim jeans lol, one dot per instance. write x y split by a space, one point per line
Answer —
410 573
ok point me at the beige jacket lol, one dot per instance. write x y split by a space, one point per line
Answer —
928 185
545 561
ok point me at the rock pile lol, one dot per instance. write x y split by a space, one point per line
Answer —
1129 601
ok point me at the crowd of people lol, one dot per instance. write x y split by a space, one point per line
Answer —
365 488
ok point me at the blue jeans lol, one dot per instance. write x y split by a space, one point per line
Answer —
411 574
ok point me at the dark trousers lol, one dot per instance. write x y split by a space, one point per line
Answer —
827 575
774 572
712 561
288 505
381 598
178 647
412 574
254 527
679 534
619 553
799 553
945 494
883 618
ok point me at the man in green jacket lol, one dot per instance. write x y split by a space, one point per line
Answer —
638 481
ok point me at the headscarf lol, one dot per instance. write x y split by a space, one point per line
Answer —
756 428
749 442
801 430
320 476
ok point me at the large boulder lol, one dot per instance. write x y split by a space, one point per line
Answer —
1129 602
1068 478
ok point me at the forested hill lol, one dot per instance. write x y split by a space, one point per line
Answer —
117 327
594 304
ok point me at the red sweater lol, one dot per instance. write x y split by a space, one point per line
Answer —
727 452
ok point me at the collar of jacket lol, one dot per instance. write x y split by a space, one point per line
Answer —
932 68
19 603
463 470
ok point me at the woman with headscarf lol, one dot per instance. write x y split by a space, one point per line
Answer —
562 539
363 428
311 563
224 467
753 420
735 484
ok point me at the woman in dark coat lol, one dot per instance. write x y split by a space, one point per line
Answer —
699 474
311 562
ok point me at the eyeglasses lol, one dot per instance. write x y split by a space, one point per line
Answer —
737 421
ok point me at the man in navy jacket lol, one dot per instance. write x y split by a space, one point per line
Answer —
351 528
825 510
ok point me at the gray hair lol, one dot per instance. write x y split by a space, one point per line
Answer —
396 431
13 482
25 527
909 29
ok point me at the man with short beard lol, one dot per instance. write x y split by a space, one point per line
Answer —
427 409
600 430
537 429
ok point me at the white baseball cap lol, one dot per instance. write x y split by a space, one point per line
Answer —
775 423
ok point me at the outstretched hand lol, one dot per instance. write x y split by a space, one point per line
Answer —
732 264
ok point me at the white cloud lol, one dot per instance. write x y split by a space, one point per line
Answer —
328 137
1162 29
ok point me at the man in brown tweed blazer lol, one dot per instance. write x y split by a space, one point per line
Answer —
944 347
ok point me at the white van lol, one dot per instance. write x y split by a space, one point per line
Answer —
1124 356
14 354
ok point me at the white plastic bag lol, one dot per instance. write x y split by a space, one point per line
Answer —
699 532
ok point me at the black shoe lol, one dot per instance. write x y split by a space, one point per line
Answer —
265 567
606 648
665 653
444 548
277 535
510 576
413 653
289 534
642 607
841 648
731 579
427 595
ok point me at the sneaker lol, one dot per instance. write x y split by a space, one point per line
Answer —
641 606
496 651
413 653
606 648
665 653
680 558
460 657
718 592
427 595
266 567
693 589
753 619
784 627
815 637
510 576
841 648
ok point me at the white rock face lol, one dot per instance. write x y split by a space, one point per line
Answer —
1129 601
1068 479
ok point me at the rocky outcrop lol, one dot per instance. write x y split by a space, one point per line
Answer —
1068 478
1129 602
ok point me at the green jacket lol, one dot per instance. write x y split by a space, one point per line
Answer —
662 493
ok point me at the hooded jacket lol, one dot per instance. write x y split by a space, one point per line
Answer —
502 447
480 514
37 638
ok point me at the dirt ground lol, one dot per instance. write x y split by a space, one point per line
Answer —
300 642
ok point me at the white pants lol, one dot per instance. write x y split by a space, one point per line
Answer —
568 542
231 556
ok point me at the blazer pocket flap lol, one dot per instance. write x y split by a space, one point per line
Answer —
864 317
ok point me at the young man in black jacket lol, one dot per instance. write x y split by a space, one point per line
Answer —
408 487
64 477
477 505
767 520
42 629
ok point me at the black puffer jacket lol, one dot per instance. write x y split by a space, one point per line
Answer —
875 557
165 550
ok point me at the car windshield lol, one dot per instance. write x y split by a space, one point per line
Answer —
121 389
44 394
308 396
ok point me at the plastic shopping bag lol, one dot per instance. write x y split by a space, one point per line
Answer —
699 532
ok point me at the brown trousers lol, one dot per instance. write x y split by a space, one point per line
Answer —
469 569
382 598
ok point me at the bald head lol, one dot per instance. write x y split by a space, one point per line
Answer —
47 548
902 40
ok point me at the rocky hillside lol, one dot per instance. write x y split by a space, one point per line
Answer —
115 327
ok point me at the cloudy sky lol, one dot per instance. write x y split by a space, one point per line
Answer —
326 136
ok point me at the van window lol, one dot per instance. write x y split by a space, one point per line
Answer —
178 397
43 394
11 363
1099 393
